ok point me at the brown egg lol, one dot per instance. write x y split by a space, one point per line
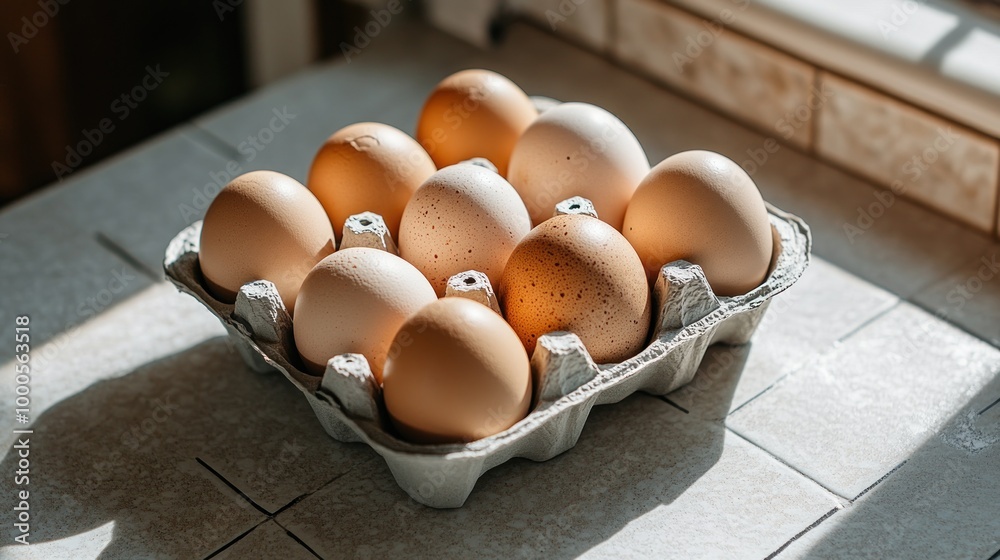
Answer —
368 167
354 301
474 113
702 207
577 149
465 217
456 373
576 273
262 226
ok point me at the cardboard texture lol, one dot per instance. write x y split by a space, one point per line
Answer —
348 403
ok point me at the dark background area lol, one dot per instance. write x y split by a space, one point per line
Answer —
61 74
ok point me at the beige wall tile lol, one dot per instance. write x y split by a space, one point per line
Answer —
585 21
744 78
929 159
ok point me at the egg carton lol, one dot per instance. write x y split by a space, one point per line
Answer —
567 383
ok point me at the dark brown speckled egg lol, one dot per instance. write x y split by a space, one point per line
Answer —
576 273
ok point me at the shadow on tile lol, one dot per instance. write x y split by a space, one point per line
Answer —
127 451
710 393
645 479
562 507
939 503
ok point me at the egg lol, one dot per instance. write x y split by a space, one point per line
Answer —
368 167
576 273
465 217
702 207
456 373
354 301
577 149
262 226
474 113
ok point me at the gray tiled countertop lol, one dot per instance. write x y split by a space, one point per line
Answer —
856 422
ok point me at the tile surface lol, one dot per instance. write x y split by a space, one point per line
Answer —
903 250
60 278
123 451
941 504
146 419
715 65
970 296
381 84
947 167
851 416
267 540
825 305
142 198
154 323
675 485
268 442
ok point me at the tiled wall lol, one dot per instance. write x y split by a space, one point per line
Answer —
945 166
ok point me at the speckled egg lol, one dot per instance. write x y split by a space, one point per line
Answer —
262 226
474 113
577 149
354 301
368 167
456 373
465 217
702 207
576 273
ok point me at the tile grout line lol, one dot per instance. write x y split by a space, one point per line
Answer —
842 76
817 355
877 482
649 76
759 393
232 486
633 68
297 539
117 250
268 516
920 305
611 8
673 404
213 142
991 405
799 535
996 209
861 326
838 497
816 116
234 541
